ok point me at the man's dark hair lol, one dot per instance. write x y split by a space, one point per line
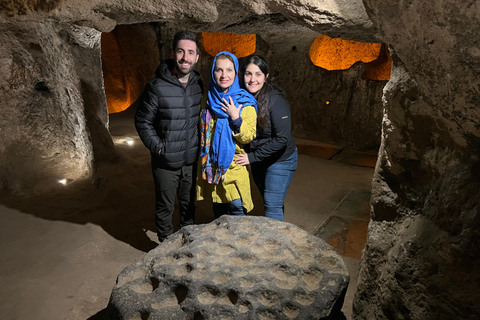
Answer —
186 35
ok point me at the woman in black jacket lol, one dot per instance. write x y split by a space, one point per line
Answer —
273 154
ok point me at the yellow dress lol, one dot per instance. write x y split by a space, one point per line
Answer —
237 180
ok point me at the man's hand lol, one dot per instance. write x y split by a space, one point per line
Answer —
242 159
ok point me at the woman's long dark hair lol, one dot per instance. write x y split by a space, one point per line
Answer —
263 95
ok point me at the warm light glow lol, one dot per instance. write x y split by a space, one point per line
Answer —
381 68
126 140
129 60
241 45
116 90
338 54
351 239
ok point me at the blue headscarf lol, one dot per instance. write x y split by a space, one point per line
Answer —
222 148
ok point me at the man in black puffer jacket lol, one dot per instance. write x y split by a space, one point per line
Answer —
167 120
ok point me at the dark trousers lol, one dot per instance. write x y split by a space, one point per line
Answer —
168 184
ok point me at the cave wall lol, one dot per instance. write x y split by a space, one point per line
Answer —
43 132
421 259
85 45
337 107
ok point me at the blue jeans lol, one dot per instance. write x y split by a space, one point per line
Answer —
234 207
273 182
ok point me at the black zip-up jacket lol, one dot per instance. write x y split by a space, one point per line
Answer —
275 142
167 118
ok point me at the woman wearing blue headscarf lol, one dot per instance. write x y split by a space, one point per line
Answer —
227 124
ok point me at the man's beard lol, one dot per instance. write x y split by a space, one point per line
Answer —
182 71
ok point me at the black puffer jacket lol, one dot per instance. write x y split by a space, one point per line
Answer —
167 118
275 142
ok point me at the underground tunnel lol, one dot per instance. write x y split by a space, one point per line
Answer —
354 230
348 102
420 260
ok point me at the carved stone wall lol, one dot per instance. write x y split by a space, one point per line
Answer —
337 107
43 131
421 260
130 57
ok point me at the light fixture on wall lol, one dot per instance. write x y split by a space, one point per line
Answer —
124 141
65 181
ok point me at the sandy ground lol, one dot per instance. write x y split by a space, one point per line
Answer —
61 252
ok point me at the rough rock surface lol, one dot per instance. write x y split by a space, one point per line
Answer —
43 132
233 268
422 256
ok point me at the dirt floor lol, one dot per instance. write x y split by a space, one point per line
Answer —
61 252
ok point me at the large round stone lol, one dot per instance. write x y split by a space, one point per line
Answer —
233 268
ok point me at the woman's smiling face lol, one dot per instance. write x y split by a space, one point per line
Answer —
224 73
254 78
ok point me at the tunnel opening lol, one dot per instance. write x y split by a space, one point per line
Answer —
130 55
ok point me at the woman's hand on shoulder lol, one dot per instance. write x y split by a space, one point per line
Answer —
242 159
229 108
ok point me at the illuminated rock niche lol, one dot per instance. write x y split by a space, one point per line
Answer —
338 54
238 44
130 56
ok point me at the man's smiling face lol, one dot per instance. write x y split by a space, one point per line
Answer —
186 56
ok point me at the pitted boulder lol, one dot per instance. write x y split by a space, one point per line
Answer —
233 268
